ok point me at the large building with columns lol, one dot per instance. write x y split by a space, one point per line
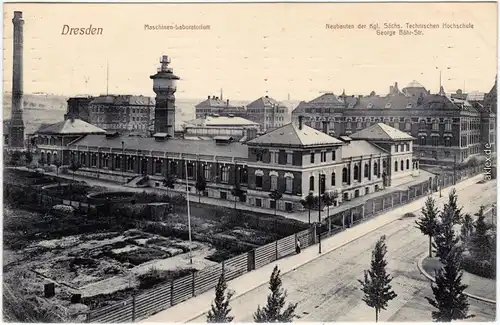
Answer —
294 159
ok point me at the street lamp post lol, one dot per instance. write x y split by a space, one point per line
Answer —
123 157
189 214
318 228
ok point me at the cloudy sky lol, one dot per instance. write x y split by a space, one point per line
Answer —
253 49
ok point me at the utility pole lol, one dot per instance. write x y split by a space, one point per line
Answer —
189 212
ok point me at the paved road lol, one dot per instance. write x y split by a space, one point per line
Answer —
327 288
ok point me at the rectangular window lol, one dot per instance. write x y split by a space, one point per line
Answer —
396 148
323 156
334 155
289 185
289 158
207 173
258 181
274 183
274 157
312 157
190 170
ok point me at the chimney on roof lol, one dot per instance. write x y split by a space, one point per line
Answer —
267 96
213 97
208 96
301 119
325 127
391 89
227 102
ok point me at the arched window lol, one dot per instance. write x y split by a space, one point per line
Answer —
311 183
344 175
375 168
384 166
333 179
366 171
158 167
49 161
395 166
402 165
118 162
356 172
207 172
407 163
130 163
225 174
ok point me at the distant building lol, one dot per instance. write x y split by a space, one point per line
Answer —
78 108
237 128
444 126
215 105
125 114
268 113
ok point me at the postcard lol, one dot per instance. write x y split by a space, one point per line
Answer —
249 162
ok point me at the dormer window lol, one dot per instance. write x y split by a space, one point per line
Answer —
409 105
370 105
388 105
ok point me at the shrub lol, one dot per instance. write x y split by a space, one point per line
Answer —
409 215
154 276
486 269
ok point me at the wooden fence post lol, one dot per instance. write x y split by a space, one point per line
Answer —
192 282
171 292
133 308
277 256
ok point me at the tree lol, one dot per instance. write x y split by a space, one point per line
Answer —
467 228
276 196
28 157
377 282
449 298
169 182
452 203
308 203
480 241
219 313
74 166
200 185
328 199
427 223
271 313
15 158
445 238
237 192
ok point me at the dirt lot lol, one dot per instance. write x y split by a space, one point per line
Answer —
107 257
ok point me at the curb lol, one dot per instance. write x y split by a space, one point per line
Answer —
319 255
297 266
430 278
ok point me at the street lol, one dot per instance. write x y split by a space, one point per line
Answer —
327 289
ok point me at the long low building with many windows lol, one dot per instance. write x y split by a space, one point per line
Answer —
294 159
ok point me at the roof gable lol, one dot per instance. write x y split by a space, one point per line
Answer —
291 135
381 132
70 126
265 101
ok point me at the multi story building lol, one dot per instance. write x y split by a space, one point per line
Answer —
52 141
215 105
446 128
125 114
78 108
268 113
236 128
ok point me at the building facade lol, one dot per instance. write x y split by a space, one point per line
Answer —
78 108
214 105
447 129
237 128
125 114
268 113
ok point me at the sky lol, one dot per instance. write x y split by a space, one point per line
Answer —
252 50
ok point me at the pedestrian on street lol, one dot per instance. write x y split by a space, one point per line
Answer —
297 247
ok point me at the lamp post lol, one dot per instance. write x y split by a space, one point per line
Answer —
318 228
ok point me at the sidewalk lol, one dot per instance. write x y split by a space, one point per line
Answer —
197 306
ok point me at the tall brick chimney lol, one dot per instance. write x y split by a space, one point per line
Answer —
301 120
16 127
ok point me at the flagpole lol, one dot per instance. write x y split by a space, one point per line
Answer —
189 212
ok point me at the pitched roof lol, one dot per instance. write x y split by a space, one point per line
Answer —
70 126
291 135
396 101
265 101
123 100
201 147
437 102
216 102
358 148
381 131
327 100
220 121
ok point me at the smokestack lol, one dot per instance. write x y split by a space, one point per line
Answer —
325 127
16 128
301 119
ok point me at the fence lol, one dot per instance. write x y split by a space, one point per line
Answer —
176 291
